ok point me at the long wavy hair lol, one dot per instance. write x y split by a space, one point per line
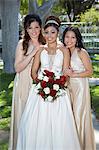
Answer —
79 42
27 21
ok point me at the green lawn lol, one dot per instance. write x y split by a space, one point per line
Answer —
4 145
6 86
95 89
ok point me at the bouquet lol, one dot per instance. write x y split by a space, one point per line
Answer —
49 85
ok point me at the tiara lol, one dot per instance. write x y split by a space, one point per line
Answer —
52 21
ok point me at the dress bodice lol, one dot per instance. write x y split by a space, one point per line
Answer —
52 62
76 62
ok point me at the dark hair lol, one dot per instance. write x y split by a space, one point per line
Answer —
78 35
27 21
53 18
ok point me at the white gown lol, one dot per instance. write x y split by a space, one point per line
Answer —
48 125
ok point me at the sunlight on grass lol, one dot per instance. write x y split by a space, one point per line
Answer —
4 146
5 123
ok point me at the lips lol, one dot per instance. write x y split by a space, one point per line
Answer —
33 33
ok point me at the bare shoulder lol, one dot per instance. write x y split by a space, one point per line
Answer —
83 53
20 45
20 42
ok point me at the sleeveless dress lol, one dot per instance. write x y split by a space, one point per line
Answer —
81 105
22 85
48 125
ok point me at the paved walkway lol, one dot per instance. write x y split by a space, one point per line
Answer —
4 136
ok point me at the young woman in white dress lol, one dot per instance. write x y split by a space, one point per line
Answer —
25 52
81 69
48 125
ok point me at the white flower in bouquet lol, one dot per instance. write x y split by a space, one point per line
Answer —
57 77
46 78
38 86
60 92
56 87
49 98
47 90
40 76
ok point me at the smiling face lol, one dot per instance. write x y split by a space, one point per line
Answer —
70 39
34 30
50 34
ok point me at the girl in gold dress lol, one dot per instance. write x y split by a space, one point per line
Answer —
25 51
79 72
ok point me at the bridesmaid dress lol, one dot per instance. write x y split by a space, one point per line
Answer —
81 105
22 85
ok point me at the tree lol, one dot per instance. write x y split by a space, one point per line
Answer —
41 7
23 7
10 32
90 16
75 7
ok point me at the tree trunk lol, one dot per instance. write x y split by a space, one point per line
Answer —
10 32
44 10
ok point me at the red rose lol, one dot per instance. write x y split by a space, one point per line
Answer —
51 81
62 80
49 73
42 94
37 80
43 84
57 81
52 92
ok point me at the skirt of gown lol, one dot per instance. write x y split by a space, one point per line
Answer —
82 112
22 85
47 125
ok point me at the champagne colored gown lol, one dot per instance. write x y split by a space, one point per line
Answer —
22 85
81 105
48 125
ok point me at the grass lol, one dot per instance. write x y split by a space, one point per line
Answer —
5 123
6 86
95 89
4 146
95 100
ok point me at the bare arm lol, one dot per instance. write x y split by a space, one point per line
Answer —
35 65
87 64
22 61
66 61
